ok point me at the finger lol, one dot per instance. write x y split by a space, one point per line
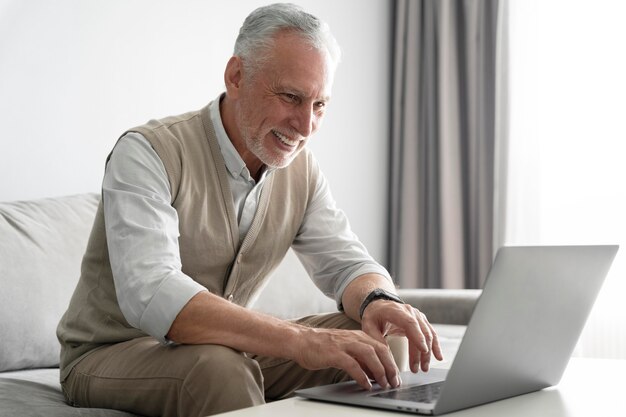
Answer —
425 361
436 346
414 355
431 338
425 328
416 337
414 358
417 342
356 372
391 367
426 331
373 359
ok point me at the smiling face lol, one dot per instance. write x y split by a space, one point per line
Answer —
270 115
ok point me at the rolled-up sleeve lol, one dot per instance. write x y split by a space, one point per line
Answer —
327 247
142 236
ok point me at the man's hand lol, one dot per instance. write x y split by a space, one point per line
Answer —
357 353
384 317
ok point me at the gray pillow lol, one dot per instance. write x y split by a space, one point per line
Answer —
41 247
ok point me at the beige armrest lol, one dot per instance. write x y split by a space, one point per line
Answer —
441 305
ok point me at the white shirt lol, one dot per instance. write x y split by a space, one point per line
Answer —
142 233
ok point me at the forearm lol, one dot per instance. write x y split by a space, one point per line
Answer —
209 319
358 289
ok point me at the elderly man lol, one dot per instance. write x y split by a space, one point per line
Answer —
196 211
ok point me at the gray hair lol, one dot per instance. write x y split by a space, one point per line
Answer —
257 32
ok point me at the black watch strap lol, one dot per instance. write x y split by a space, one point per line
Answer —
378 294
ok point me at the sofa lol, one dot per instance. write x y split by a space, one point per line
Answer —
41 246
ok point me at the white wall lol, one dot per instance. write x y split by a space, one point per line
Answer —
74 74
568 142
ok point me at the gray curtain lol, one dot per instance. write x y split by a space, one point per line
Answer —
443 144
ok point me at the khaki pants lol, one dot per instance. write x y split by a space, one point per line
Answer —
144 377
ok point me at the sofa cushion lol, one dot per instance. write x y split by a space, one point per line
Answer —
41 246
37 393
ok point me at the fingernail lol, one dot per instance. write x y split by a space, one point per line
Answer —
384 384
398 381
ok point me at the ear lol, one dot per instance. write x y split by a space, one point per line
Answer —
233 74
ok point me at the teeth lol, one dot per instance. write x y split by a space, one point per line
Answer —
284 139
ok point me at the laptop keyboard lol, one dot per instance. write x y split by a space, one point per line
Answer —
417 393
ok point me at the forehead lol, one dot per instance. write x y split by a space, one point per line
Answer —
294 63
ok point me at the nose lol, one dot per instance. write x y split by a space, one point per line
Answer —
305 121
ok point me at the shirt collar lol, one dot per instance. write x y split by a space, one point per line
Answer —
234 164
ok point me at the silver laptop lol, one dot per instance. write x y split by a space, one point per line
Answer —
521 335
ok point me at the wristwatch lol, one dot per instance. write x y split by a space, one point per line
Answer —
378 294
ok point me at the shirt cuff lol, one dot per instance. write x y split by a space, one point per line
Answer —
166 304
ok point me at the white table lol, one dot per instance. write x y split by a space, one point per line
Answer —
590 387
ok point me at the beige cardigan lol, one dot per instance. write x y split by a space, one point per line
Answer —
209 237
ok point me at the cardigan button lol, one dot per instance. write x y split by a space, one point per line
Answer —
230 298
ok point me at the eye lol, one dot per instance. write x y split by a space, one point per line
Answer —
291 98
319 106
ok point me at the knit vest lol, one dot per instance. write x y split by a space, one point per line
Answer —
209 235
